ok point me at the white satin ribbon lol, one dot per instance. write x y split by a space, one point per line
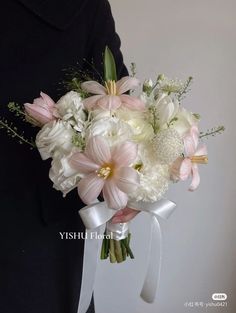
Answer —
95 217
163 208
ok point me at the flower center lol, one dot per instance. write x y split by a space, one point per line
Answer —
111 87
104 172
138 167
201 159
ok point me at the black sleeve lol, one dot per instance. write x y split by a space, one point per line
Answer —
103 33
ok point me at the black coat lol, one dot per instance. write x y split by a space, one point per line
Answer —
39 272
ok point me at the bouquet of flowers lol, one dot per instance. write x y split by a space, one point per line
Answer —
105 140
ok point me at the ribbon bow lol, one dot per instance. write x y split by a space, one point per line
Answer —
95 217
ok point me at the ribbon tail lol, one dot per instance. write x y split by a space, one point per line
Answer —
152 277
90 261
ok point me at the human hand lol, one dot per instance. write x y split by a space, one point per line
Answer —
124 215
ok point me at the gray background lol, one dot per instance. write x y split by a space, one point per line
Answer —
182 38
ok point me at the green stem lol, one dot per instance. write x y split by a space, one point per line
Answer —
112 251
123 249
106 247
118 251
129 251
104 253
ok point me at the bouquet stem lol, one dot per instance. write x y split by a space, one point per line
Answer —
116 250
112 251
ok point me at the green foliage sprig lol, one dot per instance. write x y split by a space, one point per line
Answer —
212 132
12 131
186 88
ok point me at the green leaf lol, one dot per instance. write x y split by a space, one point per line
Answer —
109 66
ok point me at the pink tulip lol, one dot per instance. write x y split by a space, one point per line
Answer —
111 96
183 167
107 170
42 110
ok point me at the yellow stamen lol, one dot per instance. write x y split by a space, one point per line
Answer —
201 159
104 172
111 87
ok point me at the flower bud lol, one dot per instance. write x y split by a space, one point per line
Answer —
147 86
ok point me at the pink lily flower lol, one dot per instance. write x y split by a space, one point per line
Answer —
42 110
111 96
182 168
107 170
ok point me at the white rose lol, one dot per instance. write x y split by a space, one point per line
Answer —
56 135
141 128
63 176
113 129
167 109
184 121
70 107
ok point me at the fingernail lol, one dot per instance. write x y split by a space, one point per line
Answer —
116 220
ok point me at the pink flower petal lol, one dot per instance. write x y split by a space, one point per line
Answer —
194 132
98 150
124 154
180 169
185 169
109 102
202 150
40 114
126 83
127 179
189 145
94 87
195 179
90 187
47 99
132 103
91 102
82 163
114 197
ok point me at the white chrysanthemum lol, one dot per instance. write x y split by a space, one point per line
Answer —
70 108
154 177
63 176
113 129
56 135
168 146
153 185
